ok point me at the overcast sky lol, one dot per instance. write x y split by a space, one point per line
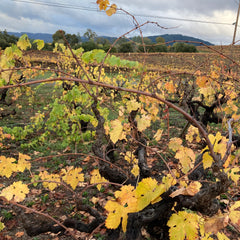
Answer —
210 20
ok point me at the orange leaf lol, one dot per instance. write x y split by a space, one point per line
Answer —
202 81
112 10
102 4
19 234
170 87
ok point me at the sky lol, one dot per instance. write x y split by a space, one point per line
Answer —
210 20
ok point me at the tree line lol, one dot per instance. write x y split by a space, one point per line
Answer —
92 41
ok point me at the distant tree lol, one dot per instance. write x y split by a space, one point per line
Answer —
6 40
90 35
72 39
107 46
79 37
126 47
137 39
58 37
160 48
89 45
102 40
48 47
122 40
147 40
183 47
160 40
152 47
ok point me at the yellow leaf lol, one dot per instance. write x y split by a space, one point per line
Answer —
22 163
183 225
234 215
186 158
143 122
114 216
117 131
7 166
147 191
40 43
2 226
135 170
17 192
207 160
222 236
129 157
127 197
233 174
193 134
168 181
158 135
214 75
112 10
125 203
207 237
133 105
95 200
97 178
73 176
175 144
50 180
219 143
208 93
23 42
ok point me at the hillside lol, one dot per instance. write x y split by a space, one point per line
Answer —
168 37
174 37
43 36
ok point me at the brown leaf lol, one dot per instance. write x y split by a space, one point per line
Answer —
36 191
11 224
190 190
216 223
66 149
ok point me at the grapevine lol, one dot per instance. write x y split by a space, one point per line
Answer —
120 113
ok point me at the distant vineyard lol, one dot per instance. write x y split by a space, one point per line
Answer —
161 62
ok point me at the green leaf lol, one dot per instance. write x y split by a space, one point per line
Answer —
114 61
98 55
87 57
10 53
2 82
40 43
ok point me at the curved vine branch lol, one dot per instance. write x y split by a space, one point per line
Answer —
191 119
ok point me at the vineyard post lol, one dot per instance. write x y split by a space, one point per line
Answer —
236 25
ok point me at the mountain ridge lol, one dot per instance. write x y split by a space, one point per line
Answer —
47 37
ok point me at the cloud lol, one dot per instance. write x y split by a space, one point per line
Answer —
77 16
